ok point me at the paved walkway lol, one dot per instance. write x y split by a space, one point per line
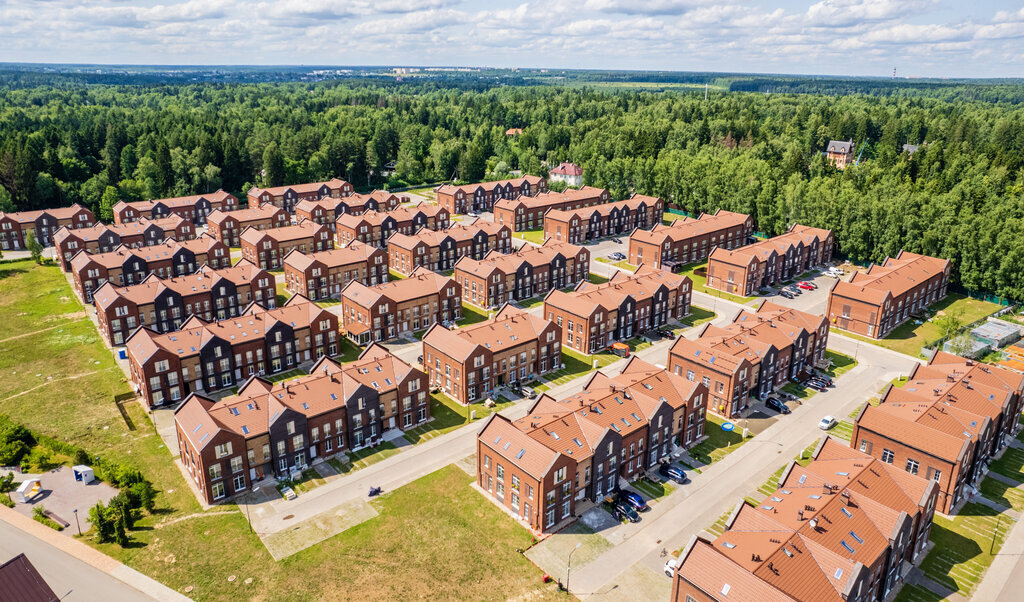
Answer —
73 570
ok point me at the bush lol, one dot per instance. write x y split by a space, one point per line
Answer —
15 442
7 483
39 514
81 457
101 521
5 499
40 458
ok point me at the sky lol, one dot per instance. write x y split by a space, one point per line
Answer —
919 38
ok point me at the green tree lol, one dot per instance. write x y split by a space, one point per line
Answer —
110 198
100 518
34 247
273 166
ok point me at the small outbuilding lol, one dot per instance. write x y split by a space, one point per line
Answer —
28 489
84 473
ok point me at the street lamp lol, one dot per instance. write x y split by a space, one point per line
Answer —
568 567
77 525
247 504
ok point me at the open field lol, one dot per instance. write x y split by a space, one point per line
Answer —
576 365
965 546
181 545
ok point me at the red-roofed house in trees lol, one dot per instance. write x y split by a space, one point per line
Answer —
209 356
567 172
194 208
840 153
582 447
279 429
286 197
874 302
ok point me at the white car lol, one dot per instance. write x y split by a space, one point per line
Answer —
827 422
670 567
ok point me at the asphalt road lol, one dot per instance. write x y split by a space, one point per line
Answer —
68 577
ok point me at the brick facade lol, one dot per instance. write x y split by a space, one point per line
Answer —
746 270
227 226
14 227
481 197
193 208
103 238
689 240
324 274
399 307
527 213
499 278
268 248
578 226
287 197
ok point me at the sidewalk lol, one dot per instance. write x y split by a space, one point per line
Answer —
126 580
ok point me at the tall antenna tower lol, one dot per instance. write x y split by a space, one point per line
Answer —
894 72
705 90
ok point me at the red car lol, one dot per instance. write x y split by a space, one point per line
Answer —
807 286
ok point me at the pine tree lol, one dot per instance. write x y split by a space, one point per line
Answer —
34 247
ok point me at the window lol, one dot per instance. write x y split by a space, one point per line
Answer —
560 475
238 483
218 490
865 446
215 471
487 461
934 474
887 456
223 449
501 472
912 466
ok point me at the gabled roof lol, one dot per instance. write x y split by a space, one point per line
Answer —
58 213
470 189
251 214
688 227
180 201
895 277
517 447
551 199
333 184
642 285
353 252
420 283
304 229
509 328
19 580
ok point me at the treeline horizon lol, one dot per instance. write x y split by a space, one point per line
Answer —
960 196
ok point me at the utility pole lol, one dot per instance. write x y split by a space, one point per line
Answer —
568 567
77 524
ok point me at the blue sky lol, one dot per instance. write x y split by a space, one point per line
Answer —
920 38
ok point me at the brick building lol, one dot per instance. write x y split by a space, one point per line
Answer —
375 228
44 223
103 238
468 363
945 423
499 278
287 197
428 248
327 210
210 356
527 213
324 274
594 316
578 226
875 302
788 547
840 153
689 240
753 356
479 237
194 208
267 248
227 226
163 304
481 197
125 265
746 270
585 446
276 430
400 307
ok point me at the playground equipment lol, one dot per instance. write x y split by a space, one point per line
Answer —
28 490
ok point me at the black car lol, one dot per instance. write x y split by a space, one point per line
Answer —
824 379
635 500
419 360
673 473
787 294
777 405
668 334
617 241
815 385
626 510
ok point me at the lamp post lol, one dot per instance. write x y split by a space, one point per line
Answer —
77 525
247 504
568 568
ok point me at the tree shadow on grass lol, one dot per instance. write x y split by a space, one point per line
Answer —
7 272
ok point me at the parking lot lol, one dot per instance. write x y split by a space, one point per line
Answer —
815 302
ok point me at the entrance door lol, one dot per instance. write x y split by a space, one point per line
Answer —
391 423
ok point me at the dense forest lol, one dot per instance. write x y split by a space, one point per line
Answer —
960 196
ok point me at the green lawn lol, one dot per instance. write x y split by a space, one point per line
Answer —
625 265
531 302
449 415
841 364
472 314
181 545
576 365
965 546
843 430
915 593
349 351
393 275
700 283
1002 493
371 455
597 278
1010 464
283 294
652 489
719 527
909 337
283 376
719 443
534 236
698 316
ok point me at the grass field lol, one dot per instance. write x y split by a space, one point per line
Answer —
965 546
698 316
719 443
909 338
576 365
181 545
449 415
915 593
472 314
534 236
597 278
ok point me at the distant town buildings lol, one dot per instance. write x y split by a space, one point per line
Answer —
323 274
103 238
874 302
328 209
227 226
268 248
375 228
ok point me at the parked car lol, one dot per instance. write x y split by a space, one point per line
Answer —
419 360
827 422
810 284
530 393
626 510
777 405
635 500
825 378
617 241
617 256
787 294
670 567
815 385
793 289
673 473
807 286
668 334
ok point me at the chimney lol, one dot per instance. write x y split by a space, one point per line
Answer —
846 497
800 513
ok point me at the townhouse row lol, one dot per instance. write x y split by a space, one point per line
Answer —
873 303
195 208
324 274
375 228
689 239
481 197
945 424
841 528
578 226
531 271
753 356
594 316
268 248
399 307
103 238
746 270
527 213
439 250
227 226
43 224
588 445
287 197
277 430
327 210
164 304
209 356
469 362
126 265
